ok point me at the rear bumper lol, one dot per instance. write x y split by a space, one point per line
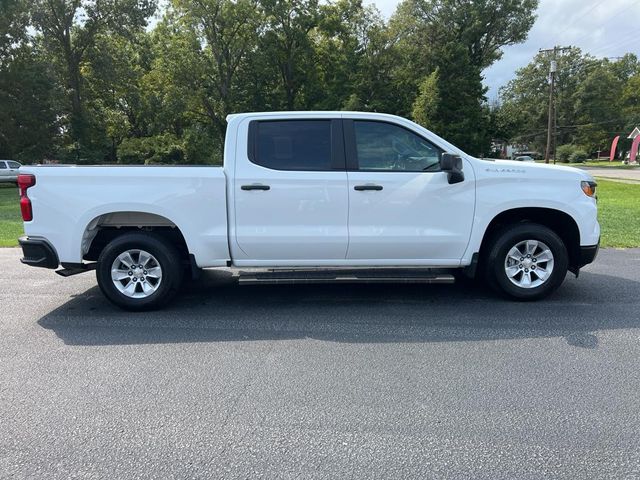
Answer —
38 252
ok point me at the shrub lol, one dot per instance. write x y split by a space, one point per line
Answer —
578 156
564 152
151 150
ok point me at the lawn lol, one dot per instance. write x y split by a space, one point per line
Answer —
619 213
618 205
10 219
604 164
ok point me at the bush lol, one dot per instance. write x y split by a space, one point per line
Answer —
578 156
151 150
564 152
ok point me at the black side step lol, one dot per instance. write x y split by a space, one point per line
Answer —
383 275
75 268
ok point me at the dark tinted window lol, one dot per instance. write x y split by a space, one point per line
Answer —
2 164
13 164
293 145
384 146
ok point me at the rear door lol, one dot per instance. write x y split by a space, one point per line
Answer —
290 192
402 210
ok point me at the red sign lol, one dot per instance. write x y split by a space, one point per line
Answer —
613 148
634 149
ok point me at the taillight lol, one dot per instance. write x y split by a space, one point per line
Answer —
24 182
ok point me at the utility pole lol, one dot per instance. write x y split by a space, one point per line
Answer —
551 124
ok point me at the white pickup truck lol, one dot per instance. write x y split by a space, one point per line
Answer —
313 197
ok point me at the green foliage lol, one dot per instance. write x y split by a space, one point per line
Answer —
571 154
564 152
594 100
578 156
86 81
160 149
425 107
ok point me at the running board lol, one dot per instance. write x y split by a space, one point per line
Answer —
291 277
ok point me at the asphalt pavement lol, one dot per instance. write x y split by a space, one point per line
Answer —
332 381
620 174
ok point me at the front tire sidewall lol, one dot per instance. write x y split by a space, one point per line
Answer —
512 236
167 257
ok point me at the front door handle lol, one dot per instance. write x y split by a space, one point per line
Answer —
360 188
255 186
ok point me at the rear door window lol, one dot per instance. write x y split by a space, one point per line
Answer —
303 145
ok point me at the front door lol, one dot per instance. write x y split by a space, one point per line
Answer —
402 210
291 198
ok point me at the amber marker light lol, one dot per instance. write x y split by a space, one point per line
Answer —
589 188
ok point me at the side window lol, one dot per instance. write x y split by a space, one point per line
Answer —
292 144
2 165
13 164
388 147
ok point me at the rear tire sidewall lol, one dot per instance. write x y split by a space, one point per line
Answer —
511 236
166 255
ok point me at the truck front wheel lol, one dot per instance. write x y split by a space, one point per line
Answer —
526 261
139 271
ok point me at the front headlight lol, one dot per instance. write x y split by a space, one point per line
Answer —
589 188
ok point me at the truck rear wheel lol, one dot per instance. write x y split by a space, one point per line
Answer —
139 271
526 261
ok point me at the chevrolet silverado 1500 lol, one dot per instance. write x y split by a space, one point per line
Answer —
313 197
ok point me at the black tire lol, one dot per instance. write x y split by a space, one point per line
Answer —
167 257
500 245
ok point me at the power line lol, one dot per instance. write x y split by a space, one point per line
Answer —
552 80
633 4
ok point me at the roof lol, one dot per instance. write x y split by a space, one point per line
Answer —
634 133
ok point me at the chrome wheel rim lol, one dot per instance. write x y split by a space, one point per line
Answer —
529 264
136 273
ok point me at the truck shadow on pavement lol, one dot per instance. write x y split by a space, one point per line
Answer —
216 309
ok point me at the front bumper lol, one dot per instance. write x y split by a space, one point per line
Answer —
588 254
38 252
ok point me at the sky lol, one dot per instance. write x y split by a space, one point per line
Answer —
603 28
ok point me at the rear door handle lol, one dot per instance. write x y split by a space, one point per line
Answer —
255 187
360 188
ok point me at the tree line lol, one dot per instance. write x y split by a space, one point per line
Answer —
124 81
92 81
596 99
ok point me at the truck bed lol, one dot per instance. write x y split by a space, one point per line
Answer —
70 202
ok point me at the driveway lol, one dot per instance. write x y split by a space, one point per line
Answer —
367 381
615 173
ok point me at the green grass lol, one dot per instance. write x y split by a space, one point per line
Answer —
10 219
604 164
618 207
619 213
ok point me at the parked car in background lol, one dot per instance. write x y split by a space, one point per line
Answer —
524 158
9 171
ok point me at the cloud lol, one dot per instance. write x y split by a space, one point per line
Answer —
603 28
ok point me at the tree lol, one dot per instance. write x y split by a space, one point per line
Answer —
216 36
598 109
28 124
69 29
483 27
287 42
425 108
525 98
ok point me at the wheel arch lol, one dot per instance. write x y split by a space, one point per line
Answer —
105 227
563 224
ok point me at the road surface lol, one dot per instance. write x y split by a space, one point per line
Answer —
331 382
